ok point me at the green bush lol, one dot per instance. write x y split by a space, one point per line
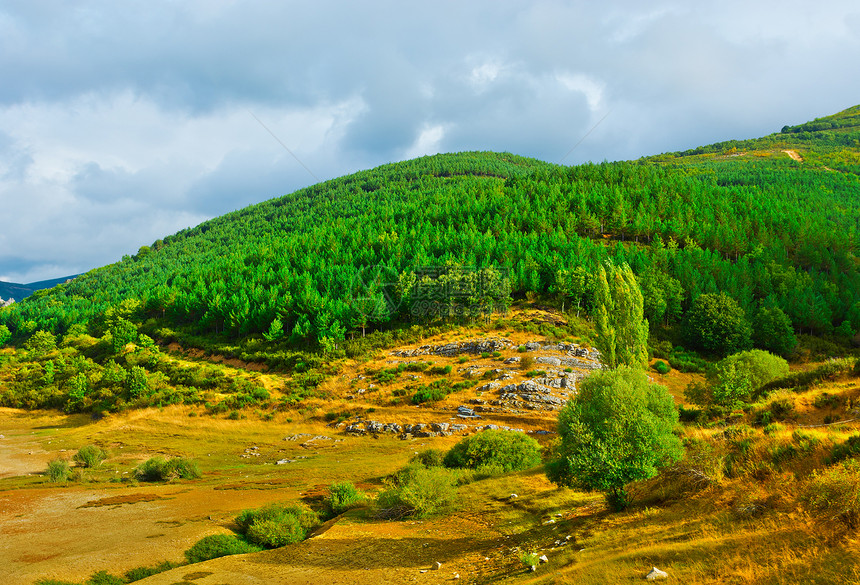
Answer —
104 578
511 451
850 448
733 381
716 323
529 559
162 469
429 458
218 545
343 496
276 525
836 492
419 492
59 471
139 573
90 456
662 367
440 370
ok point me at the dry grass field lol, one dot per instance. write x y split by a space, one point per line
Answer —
736 510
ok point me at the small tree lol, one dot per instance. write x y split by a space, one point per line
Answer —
733 380
618 429
773 331
622 330
716 323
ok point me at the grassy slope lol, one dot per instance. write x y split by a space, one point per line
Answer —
750 526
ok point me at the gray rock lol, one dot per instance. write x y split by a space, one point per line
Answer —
656 575
543 559
550 361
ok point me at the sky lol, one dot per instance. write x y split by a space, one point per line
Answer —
124 122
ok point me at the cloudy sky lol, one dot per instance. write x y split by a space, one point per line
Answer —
122 122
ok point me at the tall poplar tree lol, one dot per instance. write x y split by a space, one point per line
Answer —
622 330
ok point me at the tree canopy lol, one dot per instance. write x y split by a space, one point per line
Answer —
618 429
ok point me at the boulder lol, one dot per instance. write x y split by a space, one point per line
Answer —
656 575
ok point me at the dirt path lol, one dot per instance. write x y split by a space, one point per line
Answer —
793 154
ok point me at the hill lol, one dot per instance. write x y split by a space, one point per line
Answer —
11 290
772 222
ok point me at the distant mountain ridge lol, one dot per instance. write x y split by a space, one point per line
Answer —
12 290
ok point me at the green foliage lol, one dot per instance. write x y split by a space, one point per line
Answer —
218 545
419 492
529 559
138 573
733 381
163 469
122 332
772 331
429 458
276 525
850 448
508 450
343 496
5 335
618 429
41 342
59 471
104 578
836 492
90 456
662 367
802 381
136 382
622 331
716 323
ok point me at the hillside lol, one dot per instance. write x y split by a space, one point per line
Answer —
737 508
11 290
772 222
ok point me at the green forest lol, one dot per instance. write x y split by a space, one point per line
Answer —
460 236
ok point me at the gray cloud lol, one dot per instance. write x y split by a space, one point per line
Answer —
122 123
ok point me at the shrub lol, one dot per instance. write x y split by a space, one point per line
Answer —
733 381
511 451
419 492
529 559
90 456
527 362
218 545
850 448
161 469
429 458
276 525
139 573
716 323
619 429
344 496
836 492
439 370
59 470
662 367
104 578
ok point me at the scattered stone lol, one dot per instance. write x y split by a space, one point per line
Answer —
533 569
284 461
656 575
543 559
456 576
513 496
436 566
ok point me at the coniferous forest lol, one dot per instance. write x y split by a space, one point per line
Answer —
771 223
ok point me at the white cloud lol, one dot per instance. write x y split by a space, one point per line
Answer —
122 123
